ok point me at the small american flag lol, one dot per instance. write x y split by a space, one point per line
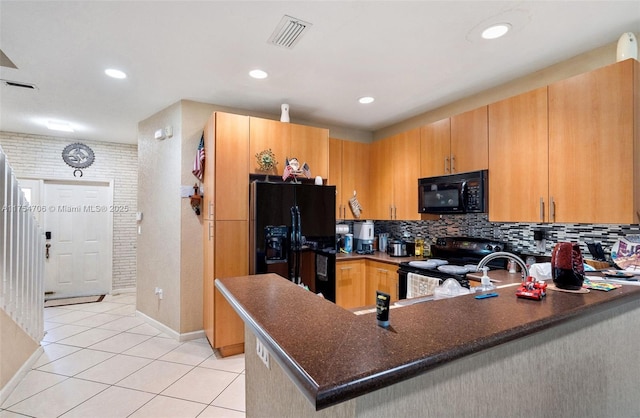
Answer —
198 163
287 172
306 170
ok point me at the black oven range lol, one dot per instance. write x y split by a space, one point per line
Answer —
451 257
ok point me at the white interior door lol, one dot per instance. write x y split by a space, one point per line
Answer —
79 220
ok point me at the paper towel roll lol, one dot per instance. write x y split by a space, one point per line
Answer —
342 229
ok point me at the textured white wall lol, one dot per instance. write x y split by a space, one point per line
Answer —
35 156
159 261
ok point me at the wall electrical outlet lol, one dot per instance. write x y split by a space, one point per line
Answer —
262 352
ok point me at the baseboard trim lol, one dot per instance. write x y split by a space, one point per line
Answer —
20 374
115 292
187 336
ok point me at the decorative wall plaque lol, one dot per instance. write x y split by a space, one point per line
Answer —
78 156
266 160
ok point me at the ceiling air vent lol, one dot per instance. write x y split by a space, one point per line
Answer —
19 84
5 61
289 31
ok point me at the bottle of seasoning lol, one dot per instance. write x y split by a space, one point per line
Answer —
426 249
419 245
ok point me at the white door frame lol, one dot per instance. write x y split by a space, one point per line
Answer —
40 207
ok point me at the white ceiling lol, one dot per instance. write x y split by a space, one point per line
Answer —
411 56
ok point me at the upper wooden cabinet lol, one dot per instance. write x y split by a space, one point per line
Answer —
267 134
406 170
335 172
349 172
569 152
594 146
455 145
208 183
518 158
395 168
435 148
470 141
311 145
380 173
287 140
231 166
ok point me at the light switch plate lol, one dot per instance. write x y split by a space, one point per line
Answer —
262 353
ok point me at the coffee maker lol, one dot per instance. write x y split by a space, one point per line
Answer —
363 235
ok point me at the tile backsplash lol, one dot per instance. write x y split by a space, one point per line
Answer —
518 236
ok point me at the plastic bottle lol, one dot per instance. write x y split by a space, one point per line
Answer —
485 281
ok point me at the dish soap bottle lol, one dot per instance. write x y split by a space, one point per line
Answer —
485 281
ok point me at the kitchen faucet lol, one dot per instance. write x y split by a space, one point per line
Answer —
504 254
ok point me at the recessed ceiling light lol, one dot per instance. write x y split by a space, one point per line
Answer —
366 100
59 126
112 72
496 31
259 74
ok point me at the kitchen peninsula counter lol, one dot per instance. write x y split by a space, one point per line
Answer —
576 354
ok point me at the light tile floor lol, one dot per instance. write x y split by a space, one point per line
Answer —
100 360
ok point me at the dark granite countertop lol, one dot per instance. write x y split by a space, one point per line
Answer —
333 355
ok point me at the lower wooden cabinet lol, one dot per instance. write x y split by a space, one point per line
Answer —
358 280
382 277
230 260
350 284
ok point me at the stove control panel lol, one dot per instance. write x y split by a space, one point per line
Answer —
469 245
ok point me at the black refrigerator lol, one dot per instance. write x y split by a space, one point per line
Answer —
292 232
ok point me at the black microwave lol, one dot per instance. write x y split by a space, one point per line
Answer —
455 193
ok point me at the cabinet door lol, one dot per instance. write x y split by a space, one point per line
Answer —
208 181
435 148
232 167
311 145
382 277
231 259
355 169
335 173
591 146
406 170
269 134
208 229
350 284
518 158
470 141
207 279
381 172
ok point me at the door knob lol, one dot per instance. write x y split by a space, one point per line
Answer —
47 246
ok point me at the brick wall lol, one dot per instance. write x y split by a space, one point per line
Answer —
35 156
